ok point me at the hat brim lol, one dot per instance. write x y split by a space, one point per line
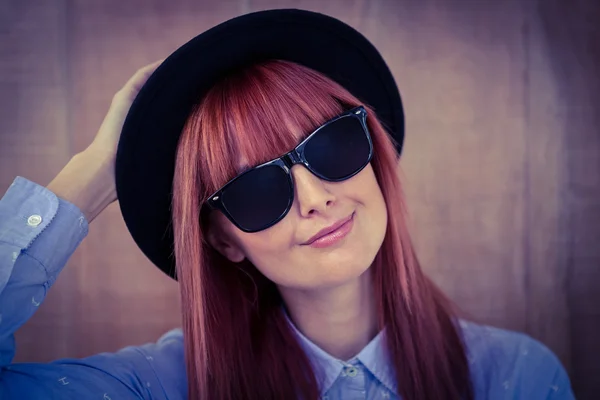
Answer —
146 151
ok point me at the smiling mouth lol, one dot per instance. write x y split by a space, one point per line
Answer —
332 235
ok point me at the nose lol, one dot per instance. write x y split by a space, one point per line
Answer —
310 192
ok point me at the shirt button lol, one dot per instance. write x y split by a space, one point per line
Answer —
34 220
352 371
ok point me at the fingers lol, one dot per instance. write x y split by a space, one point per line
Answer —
135 83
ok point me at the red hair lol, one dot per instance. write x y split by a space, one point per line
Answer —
237 341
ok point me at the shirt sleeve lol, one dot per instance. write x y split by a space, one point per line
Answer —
561 384
39 232
534 371
512 365
543 375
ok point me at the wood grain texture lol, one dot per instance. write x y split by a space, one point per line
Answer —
35 143
501 162
572 37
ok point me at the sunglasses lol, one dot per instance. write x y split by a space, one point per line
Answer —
262 196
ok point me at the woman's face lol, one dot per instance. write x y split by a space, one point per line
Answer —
281 252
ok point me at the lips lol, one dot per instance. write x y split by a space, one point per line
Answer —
329 229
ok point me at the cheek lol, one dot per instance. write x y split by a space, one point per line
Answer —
364 190
371 222
374 202
270 249
378 220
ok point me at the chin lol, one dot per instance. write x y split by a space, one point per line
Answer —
346 270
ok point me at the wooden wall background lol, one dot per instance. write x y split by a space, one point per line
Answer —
502 155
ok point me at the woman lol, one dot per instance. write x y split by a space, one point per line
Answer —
299 279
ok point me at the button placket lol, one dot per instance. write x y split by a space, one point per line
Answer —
354 381
351 371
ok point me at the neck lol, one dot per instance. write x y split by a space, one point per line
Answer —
341 320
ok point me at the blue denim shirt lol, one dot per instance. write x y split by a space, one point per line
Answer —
40 231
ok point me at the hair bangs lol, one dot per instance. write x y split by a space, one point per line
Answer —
259 114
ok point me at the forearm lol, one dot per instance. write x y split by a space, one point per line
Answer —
87 182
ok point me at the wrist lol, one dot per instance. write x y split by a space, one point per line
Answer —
87 181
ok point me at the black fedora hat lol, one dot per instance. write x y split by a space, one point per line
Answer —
146 152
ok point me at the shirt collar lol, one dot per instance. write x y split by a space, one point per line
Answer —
373 356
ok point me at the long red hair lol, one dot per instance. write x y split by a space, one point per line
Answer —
237 341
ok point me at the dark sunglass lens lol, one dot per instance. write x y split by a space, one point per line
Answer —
258 197
339 149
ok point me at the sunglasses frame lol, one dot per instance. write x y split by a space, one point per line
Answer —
287 161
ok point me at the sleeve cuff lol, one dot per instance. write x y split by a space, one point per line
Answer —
26 209
41 224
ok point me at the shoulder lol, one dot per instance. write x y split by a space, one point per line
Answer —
484 342
166 359
505 362
167 349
